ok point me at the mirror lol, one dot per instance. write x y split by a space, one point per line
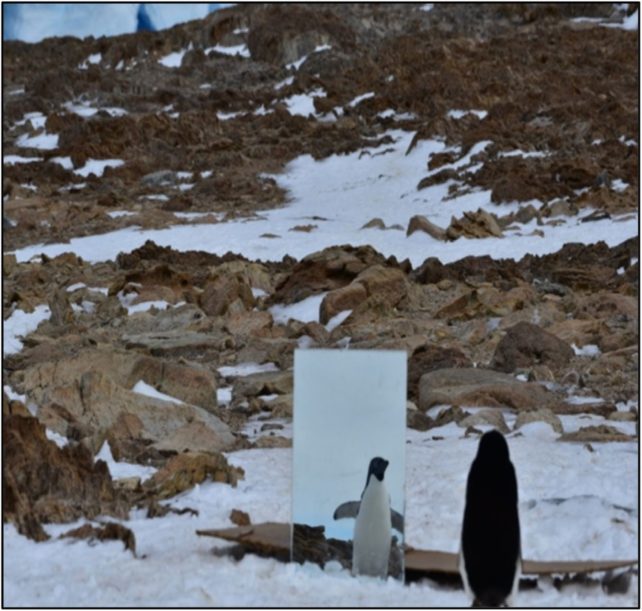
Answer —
349 431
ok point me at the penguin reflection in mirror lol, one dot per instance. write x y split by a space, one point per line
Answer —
374 520
490 556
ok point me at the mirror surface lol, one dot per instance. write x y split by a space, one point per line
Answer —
349 407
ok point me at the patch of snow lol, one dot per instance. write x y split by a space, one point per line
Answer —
284 83
21 324
115 214
303 103
336 320
226 116
65 162
84 109
37 120
619 185
191 216
257 292
252 428
427 7
458 114
29 186
578 400
118 469
224 395
157 197
240 50
12 395
246 369
11 159
74 287
98 166
360 98
590 350
206 174
173 60
184 175
57 438
186 186
306 310
142 388
520 153
631 23
94 58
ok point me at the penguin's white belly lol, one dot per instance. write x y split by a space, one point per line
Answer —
372 532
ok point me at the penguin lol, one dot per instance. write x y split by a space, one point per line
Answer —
374 520
490 557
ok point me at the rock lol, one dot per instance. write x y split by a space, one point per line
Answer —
184 471
61 312
480 224
45 483
526 344
492 417
107 532
418 420
430 357
195 437
602 432
375 223
421 223
189 344
388 284
344 298
480 387
258 324
281 407
264 383
226 293
240 518
325 270
539 415
272 441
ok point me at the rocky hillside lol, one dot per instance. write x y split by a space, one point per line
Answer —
100 135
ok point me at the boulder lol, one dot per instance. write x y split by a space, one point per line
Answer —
344 298
421 223
264 383
109 531
226 293
480 224
429 357
481 387
388 284
540 415
45 483
486 417
526 344
184 471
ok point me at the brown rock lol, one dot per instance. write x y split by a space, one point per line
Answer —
219 295
250 323
45 483
375 223
240 518
194 436
526 344
388 284
430 357
480 224
272 441
61 312
108 532
492 417
602 432
540 415
264 383
344 298
184 471
480 387
421 223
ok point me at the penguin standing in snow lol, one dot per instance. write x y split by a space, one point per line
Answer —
375 518
490 556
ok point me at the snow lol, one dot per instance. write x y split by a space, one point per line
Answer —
588 350
349 190
123 469
20 324
94 58
65 162
173 60
142 388
284 83
303 104
37 120
84 109
306 310
246 369
360 98
74 287
336 320
458 114
427 7
116 214
240 50
11 159
565 514
98 166
224 395
41 141
295 65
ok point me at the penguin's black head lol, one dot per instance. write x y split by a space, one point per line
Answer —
493 447
377 468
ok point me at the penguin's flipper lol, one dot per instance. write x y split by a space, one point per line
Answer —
347 510
397 520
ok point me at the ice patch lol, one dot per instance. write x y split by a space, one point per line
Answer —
11 159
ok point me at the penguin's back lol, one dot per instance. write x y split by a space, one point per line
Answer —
491 534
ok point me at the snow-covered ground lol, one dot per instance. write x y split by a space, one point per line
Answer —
596 520
347 191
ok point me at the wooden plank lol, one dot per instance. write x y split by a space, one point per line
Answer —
275 537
